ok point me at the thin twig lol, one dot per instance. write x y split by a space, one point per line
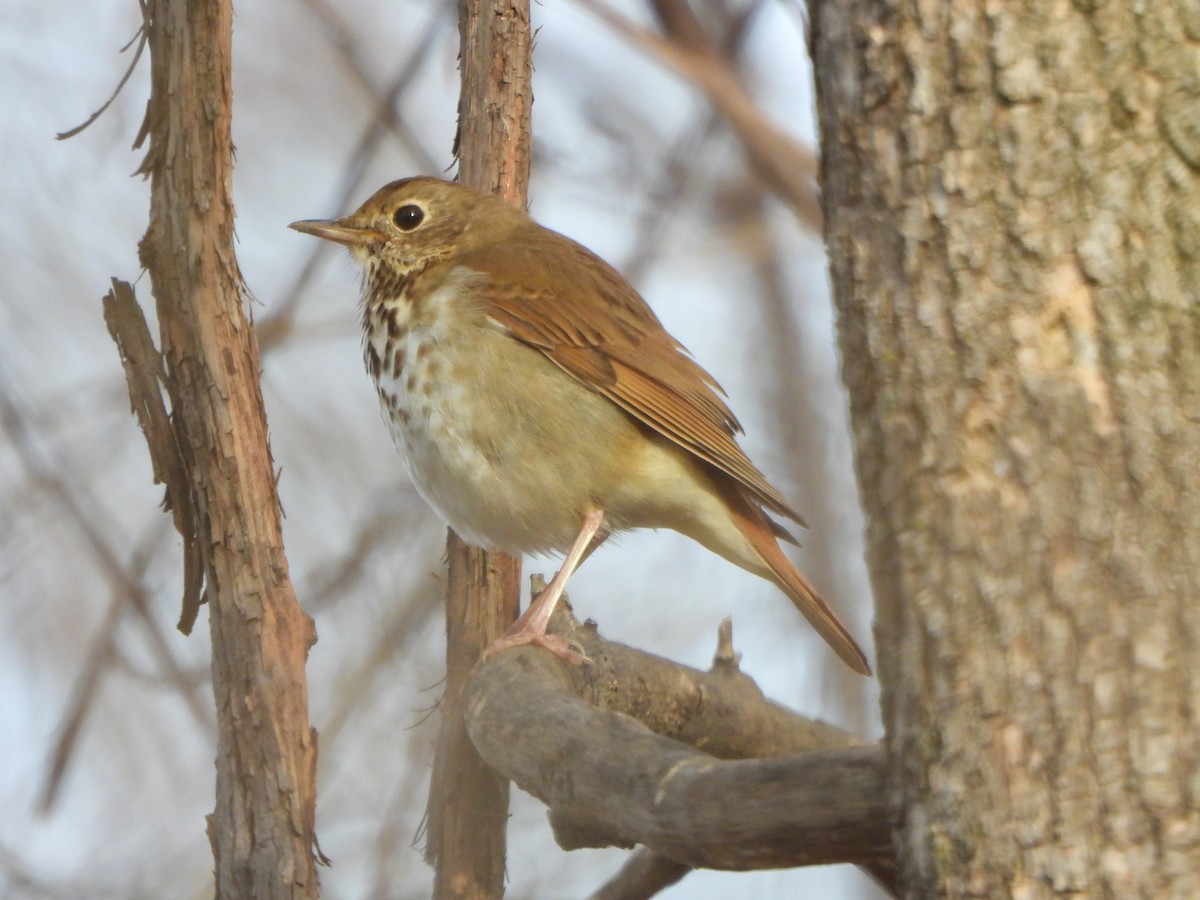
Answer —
140 38
350 566
388 862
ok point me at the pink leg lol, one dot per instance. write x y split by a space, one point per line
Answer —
530 628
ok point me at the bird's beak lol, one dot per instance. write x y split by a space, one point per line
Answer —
340 231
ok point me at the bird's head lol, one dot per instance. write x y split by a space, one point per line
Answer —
411 223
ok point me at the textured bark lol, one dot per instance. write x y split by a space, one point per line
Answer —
467 813
494 144
1011 193
262 830
468 802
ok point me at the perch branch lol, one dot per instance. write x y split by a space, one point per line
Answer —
709 774
644 874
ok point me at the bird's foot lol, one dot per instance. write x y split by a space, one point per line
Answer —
567 651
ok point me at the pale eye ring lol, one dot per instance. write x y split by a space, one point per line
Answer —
408 217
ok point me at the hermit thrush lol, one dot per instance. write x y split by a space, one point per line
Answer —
539 403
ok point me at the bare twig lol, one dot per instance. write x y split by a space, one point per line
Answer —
83 511
676 170
140 39
389 863
384 116
89 676
406 625
662 205
330 583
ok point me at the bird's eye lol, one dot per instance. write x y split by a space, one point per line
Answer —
408 217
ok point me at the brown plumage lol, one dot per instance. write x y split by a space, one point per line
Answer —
474 316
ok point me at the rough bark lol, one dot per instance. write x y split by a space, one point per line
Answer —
468 802
1010 194
494 144
217 462
467 812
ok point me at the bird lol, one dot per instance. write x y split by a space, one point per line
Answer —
539 403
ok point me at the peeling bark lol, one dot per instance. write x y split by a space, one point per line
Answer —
215 458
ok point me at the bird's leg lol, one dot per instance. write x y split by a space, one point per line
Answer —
530 628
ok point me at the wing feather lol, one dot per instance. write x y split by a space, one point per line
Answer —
615 345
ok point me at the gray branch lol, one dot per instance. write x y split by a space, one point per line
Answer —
699 767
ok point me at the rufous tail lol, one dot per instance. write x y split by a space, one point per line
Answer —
754 524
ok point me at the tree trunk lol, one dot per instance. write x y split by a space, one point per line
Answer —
468 801
262 830
1011 194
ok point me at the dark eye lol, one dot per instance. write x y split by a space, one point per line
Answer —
409 217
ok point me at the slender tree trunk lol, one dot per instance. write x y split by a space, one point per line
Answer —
262 830
468 800
1011 192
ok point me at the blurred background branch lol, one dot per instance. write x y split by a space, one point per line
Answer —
785 165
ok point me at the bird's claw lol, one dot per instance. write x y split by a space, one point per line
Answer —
566 650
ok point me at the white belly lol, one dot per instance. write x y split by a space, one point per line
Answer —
451 475
507 448
458 413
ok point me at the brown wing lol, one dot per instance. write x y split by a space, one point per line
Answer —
616 346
